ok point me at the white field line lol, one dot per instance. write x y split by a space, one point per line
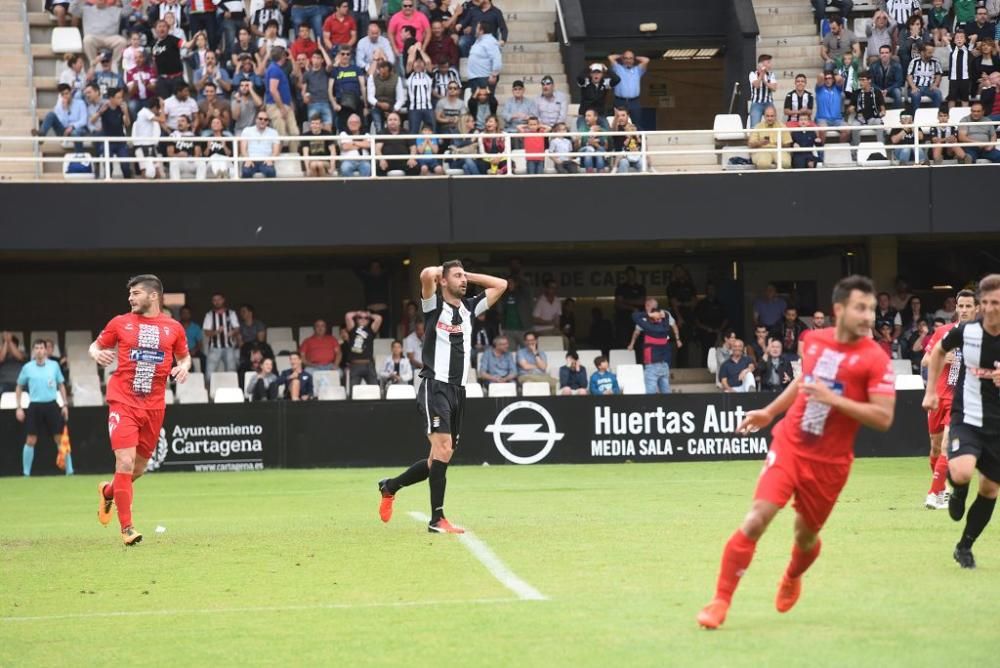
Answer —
261 608
491 561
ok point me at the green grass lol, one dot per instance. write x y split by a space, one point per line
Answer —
294 568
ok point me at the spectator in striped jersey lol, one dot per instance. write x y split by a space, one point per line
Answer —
798 103
763 83
923 76
221 330
418 90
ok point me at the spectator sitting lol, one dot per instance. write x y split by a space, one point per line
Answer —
775 372
886 341
497 364
923 77
73 74
218 151
184 153
244 105
427 147
798 103
442 76
736 373
559 149
67 119
482 105
533 364
517 109
846 71
496 162
101 21
464 146
884 312
213 72
944 134
180 104
825 21
321 351
766 135
317 149
655 324
603 381
259 145
869 106
449 109
757 349
916 343
572 376
982 138
947 310
413 346
818 321
902 136
252 356
830 102
397 369
886 75
803 137
442 47
911 40
386 92
12 358
548 309
60 12
374 47
631 160
594 144
354 149
788 332
296 383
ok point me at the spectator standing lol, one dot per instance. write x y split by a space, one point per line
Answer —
869 108
736 373
201 18
497 364
12 358
419 87
340 29
259 145
788 333
244 106
879 33
396 370
278 98
886 313
315 89
981 138
362 328
272 12
221 329
304 43
911 41
140 82
515 309
251 329
376 286
572 376
843 8
594 86
923 77
763 83
195 338
629 69
296 383
767 135
485 60
775 371
484 330
115 123
441 46
373 48
146 130
886 75
630 296
443 75
44 381
656 353
167 60
769 309
355 148
264 384
961 73
101 22
533 364
547 312
386 93
603 381
980 28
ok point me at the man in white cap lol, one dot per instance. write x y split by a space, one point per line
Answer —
594 85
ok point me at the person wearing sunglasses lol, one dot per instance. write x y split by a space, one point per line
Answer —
449 109
259 146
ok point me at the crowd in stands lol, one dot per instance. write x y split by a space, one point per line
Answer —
908 54
166 72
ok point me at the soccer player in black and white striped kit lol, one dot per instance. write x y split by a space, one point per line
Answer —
448 320
974 435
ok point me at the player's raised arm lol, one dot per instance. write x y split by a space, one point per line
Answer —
495 287
429 279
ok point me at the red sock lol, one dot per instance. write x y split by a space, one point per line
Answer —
940 475
801 561
736 559
934 459
123 498
108 491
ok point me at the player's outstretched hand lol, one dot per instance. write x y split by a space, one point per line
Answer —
105 356
754 421
179 373
930 402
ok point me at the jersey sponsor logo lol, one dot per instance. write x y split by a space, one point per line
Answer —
140 355
451 329
505 433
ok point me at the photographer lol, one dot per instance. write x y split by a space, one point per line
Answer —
657 325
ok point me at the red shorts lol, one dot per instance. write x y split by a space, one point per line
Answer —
131 427
815 484
939 419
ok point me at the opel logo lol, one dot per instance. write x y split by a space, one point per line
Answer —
524 432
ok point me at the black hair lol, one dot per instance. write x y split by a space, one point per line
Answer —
967 293
845 286
449 265
149 282
573 356
599 360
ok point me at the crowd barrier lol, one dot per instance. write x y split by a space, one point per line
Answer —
545 430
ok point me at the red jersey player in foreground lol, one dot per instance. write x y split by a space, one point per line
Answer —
847 381
938 419
146 343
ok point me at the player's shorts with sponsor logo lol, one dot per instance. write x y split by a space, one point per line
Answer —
815 484
441 405
984 445
134 427
43 415
938 419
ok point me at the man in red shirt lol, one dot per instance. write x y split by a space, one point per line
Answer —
938 420
339 29
303 43
321 351
146 343
847 381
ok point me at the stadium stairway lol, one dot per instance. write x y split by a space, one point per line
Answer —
16 93
788 32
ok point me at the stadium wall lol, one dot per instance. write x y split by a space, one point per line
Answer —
549 430
276 214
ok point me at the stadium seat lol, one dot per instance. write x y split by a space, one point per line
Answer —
517 157
838 155
247 375
619 356
288 169
472 377
473 391
729 128
587 356
196 365
694 388
228 395
331 393
281 363
380 362
366 392
66 40
902 368
305 332
168 396
712 362
221 379
556 359
957 114
925 117
8 400
323 379
400 392
193 387
630 379
535 390
283 346
397 172
891 118
910 382
279 334
502 390
382 347
868 149
859 28
548 343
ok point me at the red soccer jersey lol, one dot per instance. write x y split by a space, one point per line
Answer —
146 351
853 370
949 375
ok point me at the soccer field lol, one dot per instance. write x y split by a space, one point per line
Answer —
295 568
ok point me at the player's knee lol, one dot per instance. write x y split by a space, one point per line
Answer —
755 523
124 464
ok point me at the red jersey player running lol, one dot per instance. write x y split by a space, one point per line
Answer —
846 381
938 419
146 343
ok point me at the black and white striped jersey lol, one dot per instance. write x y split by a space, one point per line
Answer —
976 401
448 337
418 91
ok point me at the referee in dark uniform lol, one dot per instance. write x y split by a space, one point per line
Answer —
974 434
43 379
448 321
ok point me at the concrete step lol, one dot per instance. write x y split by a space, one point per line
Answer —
551 59
783 25
793 52
516 18
686 140
787 40
13 80
683 169
667 159
512 6
42 19
799 11
526 69
517 45
36 5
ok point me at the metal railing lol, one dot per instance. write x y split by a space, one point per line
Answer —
653 147
562 22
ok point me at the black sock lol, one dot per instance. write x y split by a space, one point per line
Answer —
976 520
438 482
416 473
